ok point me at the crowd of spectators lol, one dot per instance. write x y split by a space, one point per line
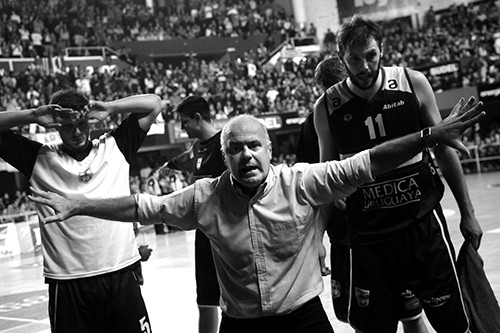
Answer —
37 28
13 207
464 33
231 88
468 34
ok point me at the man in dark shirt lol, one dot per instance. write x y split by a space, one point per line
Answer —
203 159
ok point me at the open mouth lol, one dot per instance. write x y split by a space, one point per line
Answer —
248 168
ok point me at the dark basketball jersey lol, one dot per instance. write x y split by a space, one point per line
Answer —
379 210
203 159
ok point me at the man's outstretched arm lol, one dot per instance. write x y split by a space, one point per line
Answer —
115 209
177 206
388 155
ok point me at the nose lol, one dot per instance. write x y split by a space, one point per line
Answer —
364 64
246 152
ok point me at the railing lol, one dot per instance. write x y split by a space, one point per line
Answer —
477 160
20 217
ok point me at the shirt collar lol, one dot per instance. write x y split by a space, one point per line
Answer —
261 189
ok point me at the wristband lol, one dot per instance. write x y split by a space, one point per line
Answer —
425 136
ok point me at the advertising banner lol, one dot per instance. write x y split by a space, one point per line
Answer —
272 122
489 92
9 243
376 9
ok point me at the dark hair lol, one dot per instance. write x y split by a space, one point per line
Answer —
329 71
70 98
357 31
193 104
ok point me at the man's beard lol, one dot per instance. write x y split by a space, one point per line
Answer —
355 81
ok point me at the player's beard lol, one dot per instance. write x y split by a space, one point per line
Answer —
361 80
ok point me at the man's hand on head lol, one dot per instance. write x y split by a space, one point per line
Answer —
54 116
96 111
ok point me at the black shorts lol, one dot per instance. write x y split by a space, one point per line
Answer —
309 318
340 256
207 285
420 259
109 302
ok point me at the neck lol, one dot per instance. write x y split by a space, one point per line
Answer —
207 132
80 154
249 192
371 91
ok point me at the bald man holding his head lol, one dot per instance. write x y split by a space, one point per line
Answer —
259 219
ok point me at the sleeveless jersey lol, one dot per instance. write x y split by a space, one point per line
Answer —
378 211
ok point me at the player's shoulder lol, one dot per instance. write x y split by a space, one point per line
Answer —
320 102
415 75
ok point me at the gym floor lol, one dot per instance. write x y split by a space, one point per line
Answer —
169 288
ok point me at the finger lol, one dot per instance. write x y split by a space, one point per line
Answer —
478 242
461 148
67 113
38 192
473 110
475 243
66 110
458 106
54 106
54 125
474 118
52 219
39 200
469 103
325 271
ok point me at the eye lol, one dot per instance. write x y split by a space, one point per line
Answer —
371 56
233 149
255 145
354 60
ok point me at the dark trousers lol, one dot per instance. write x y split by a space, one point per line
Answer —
309 318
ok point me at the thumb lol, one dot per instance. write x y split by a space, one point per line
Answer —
458 145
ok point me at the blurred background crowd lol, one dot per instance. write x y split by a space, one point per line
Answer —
466 34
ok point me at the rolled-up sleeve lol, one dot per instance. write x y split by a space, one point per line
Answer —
323 183
175 209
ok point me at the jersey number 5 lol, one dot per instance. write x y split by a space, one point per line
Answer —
370 123
145 328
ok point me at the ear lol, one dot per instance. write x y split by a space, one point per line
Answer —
198 117
223 153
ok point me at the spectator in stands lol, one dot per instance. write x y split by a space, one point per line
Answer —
329 42
85 255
